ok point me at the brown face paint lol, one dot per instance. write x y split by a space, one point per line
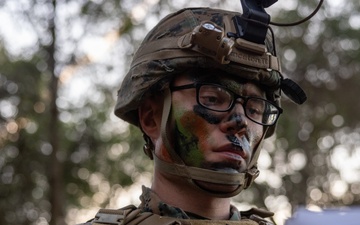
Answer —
187 133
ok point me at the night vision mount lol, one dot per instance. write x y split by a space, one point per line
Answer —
253 26
254 22
249 35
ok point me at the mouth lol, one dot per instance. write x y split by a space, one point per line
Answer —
237 146
226 167
234 152
232 157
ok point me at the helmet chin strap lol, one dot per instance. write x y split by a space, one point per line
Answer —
178 168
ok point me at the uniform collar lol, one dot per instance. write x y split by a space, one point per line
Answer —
150 202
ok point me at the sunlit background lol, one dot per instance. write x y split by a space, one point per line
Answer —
71 163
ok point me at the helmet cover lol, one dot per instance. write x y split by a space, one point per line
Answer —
196 38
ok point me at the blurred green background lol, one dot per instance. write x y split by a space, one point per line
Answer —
63 154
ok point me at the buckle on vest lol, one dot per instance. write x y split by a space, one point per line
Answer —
106 218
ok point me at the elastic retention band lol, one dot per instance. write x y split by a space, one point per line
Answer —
196 173
164 122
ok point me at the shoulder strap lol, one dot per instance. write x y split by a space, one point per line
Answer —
130 215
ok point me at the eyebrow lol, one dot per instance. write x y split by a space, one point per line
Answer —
255 91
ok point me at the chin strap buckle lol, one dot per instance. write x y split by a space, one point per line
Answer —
250 176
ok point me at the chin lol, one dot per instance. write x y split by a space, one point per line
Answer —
226 167
216 188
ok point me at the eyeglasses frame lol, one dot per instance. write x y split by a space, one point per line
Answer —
235 96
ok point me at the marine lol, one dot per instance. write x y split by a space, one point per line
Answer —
204 87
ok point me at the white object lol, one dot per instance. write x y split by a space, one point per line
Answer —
334 216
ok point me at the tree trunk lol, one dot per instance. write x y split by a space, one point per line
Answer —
56 190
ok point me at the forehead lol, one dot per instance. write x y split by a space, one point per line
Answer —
232 82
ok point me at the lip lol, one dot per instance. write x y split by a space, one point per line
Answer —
232 151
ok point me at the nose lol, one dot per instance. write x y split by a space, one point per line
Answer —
235 124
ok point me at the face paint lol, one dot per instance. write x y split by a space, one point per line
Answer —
186 142
193 138
198 140
204 113
243 144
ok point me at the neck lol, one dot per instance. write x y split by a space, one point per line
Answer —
180 193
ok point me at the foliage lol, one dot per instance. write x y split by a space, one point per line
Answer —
56 150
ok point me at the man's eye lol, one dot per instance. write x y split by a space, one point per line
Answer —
214 97
210 100
254 111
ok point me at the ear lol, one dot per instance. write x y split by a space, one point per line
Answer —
150 113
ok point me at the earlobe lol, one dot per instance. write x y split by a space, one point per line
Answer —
150 117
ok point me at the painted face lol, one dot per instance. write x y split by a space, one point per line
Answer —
221 141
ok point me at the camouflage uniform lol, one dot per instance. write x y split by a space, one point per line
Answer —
152 211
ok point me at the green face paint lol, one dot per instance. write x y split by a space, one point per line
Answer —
186 139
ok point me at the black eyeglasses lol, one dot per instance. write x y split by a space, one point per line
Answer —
218 98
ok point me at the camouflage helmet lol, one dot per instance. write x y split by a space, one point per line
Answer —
197 38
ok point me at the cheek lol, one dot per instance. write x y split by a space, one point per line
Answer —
162 152
192 134
255 134
195 128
